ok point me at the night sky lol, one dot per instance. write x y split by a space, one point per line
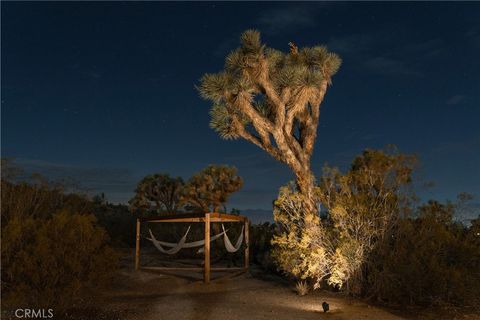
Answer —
104 93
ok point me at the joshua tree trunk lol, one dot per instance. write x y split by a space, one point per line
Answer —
306 184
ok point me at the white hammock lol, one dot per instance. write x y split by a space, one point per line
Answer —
180 245
176 247
228 244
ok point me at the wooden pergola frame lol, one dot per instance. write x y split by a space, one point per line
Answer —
206 218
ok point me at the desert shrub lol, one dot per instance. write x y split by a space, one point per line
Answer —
260 244
428 260
54 262
370 242
118 221
302 248
39 199
53 252
361 206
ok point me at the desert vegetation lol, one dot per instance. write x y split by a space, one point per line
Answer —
338 231
54 253
375 241
206 191
359 232
59 248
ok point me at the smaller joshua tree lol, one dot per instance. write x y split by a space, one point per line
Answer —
205 191
158 193
272 99
210 188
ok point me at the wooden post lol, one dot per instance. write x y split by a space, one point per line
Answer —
137 246
247 243
206 266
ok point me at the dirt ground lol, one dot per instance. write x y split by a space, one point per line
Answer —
253 295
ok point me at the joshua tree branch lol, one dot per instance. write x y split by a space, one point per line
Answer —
296 104
243 102
312 122
261 143
264 81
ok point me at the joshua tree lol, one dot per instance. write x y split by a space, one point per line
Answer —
158 192
209 189
272 99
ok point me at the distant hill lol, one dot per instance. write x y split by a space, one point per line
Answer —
258 215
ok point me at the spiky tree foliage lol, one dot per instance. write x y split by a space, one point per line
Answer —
159 193
272 99
209 189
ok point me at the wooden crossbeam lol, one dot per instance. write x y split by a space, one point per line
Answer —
194 220
195 217
173 268
217 269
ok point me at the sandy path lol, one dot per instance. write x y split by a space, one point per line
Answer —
149 296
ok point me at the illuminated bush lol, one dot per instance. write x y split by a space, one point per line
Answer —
362 206
368 242
302 248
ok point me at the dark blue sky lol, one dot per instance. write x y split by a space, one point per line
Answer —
104 92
